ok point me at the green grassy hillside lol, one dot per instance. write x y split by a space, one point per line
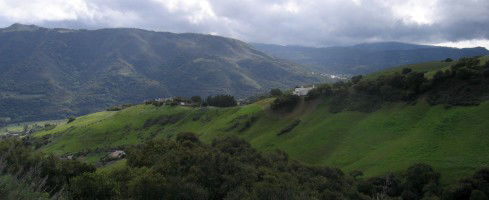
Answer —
453 139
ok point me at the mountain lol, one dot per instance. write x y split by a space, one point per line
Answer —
444 125
366 58
52 73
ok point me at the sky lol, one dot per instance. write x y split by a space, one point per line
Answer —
455 23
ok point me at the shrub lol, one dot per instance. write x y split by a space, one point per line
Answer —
465 62
71 119
406 70
275 92
120 107
356 79
196 100
285 103
321 90
187 136
466 73
92 186
221 101
290 127
414 80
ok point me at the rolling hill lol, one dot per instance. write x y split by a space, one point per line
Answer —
54 73
453 139
366 58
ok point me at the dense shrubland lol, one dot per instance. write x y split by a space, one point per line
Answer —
465 83
285 102
227 168
221 101
33 173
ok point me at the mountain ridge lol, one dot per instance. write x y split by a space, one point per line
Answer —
53 73
367 57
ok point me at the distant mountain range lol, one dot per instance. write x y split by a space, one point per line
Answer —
52 73
365 58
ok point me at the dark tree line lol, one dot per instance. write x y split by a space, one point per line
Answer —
221 101
35 172
465 83
227 168
285 103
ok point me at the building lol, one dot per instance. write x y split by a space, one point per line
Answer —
302 91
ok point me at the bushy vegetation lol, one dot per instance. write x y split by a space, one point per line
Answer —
14 188
30 173
475 187
421 181
221 101
289 128
275 92
119 107
285 102
465 83
71 119
228 168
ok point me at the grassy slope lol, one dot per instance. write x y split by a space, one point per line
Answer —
454 140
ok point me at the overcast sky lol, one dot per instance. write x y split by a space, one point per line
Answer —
460 23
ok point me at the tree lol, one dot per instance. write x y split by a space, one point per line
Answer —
221 101
285 102
478 195
448 60
196 100
418 177
356 79
275 92
406 70
356 173
71 119
92 186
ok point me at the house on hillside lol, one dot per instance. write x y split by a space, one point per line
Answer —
302 91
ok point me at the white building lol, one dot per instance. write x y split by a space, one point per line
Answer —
302 91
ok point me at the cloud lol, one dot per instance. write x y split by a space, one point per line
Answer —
299 22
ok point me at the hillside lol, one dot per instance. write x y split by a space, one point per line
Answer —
366 58
54 73
453 139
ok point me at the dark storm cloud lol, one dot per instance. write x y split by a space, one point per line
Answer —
313 22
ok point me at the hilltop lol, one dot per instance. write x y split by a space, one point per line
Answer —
366 58
352 130
55 73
